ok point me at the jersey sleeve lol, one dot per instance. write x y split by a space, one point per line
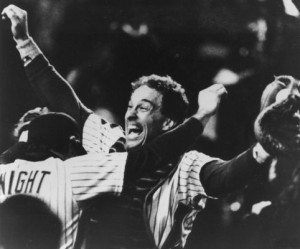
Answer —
95 174
221 177
190 188
100 136
52 89
183 188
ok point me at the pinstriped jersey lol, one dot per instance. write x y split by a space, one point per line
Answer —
99 135
64 185
181 189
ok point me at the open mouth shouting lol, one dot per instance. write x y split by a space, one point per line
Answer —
135 135
133 131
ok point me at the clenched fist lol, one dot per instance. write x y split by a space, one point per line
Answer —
18 19
209 100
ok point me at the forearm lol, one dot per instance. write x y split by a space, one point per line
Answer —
175 142
221 177
51 88
109 175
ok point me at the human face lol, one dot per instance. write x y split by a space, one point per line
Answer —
143 119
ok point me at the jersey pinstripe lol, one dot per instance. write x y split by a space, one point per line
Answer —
93 174
64 185
183 187
99 135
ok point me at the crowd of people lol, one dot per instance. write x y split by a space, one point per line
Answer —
144 186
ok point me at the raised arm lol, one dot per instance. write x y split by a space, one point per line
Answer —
171 145
53 90
222 177
277 131
117 172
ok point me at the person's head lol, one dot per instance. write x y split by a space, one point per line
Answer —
277 127
157 104
45 134
28 223
57 133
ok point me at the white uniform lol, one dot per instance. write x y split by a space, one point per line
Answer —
64 185
99 135
182 187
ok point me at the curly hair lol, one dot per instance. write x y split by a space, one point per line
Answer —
174 101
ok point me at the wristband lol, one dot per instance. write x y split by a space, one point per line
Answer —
28 50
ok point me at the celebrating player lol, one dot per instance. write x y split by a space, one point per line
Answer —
66 186
149 213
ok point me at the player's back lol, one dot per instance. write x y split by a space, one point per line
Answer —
48 181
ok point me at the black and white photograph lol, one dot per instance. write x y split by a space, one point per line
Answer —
138 124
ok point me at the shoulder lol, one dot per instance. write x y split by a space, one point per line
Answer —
196 158
94 121
98 159
99 134
20 164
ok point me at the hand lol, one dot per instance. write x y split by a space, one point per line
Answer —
209 100
18 19
27 118
260 154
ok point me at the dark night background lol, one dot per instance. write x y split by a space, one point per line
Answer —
101 46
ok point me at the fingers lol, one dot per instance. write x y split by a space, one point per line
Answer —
12 12
16 15
209 99
216 88
219 89
18 19
215 91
